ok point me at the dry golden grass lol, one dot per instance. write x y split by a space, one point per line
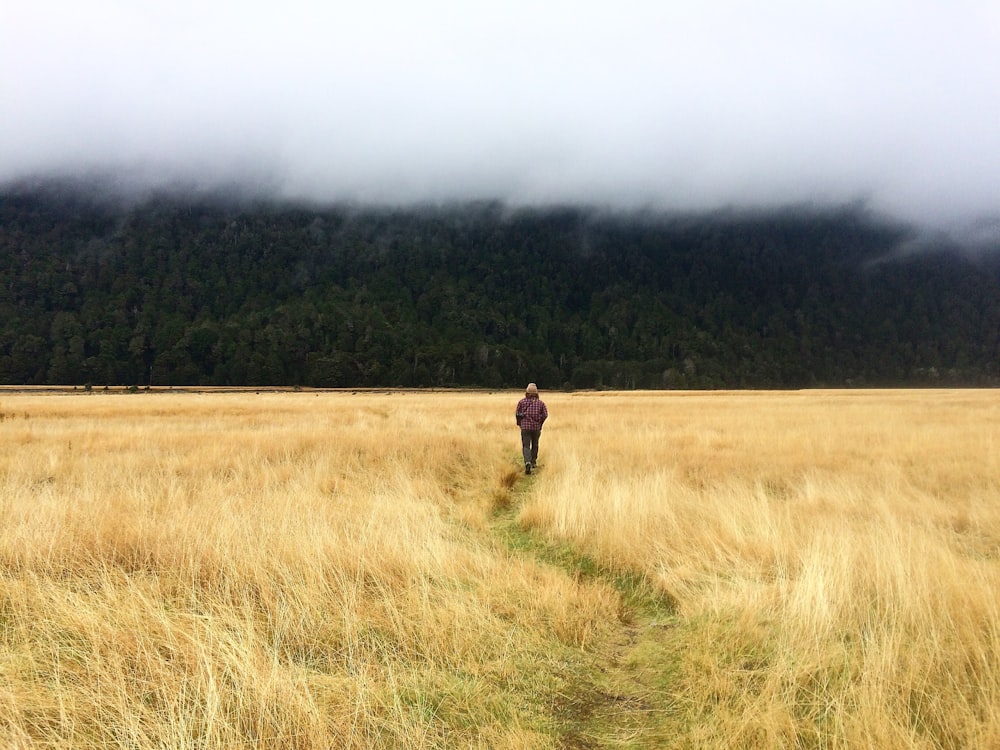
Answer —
278 570
835 556
306 570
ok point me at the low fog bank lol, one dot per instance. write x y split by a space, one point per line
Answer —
124 191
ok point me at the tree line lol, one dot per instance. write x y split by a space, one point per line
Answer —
200 290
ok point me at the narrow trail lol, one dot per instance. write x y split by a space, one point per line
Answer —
627 699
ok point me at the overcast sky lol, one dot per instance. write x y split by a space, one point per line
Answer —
672 104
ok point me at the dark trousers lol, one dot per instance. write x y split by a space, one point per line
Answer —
529 446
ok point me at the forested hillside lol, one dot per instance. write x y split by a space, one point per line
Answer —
205 291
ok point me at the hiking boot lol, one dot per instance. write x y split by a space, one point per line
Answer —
527 468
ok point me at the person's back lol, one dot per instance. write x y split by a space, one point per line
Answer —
530 414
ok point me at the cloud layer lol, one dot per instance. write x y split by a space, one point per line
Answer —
672 105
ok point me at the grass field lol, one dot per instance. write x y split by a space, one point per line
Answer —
373 570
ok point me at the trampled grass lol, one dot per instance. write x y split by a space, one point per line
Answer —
314 570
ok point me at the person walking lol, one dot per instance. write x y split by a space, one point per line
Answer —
530 414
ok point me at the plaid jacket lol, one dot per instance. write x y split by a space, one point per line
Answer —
534 412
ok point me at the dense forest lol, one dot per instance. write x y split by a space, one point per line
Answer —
205 290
